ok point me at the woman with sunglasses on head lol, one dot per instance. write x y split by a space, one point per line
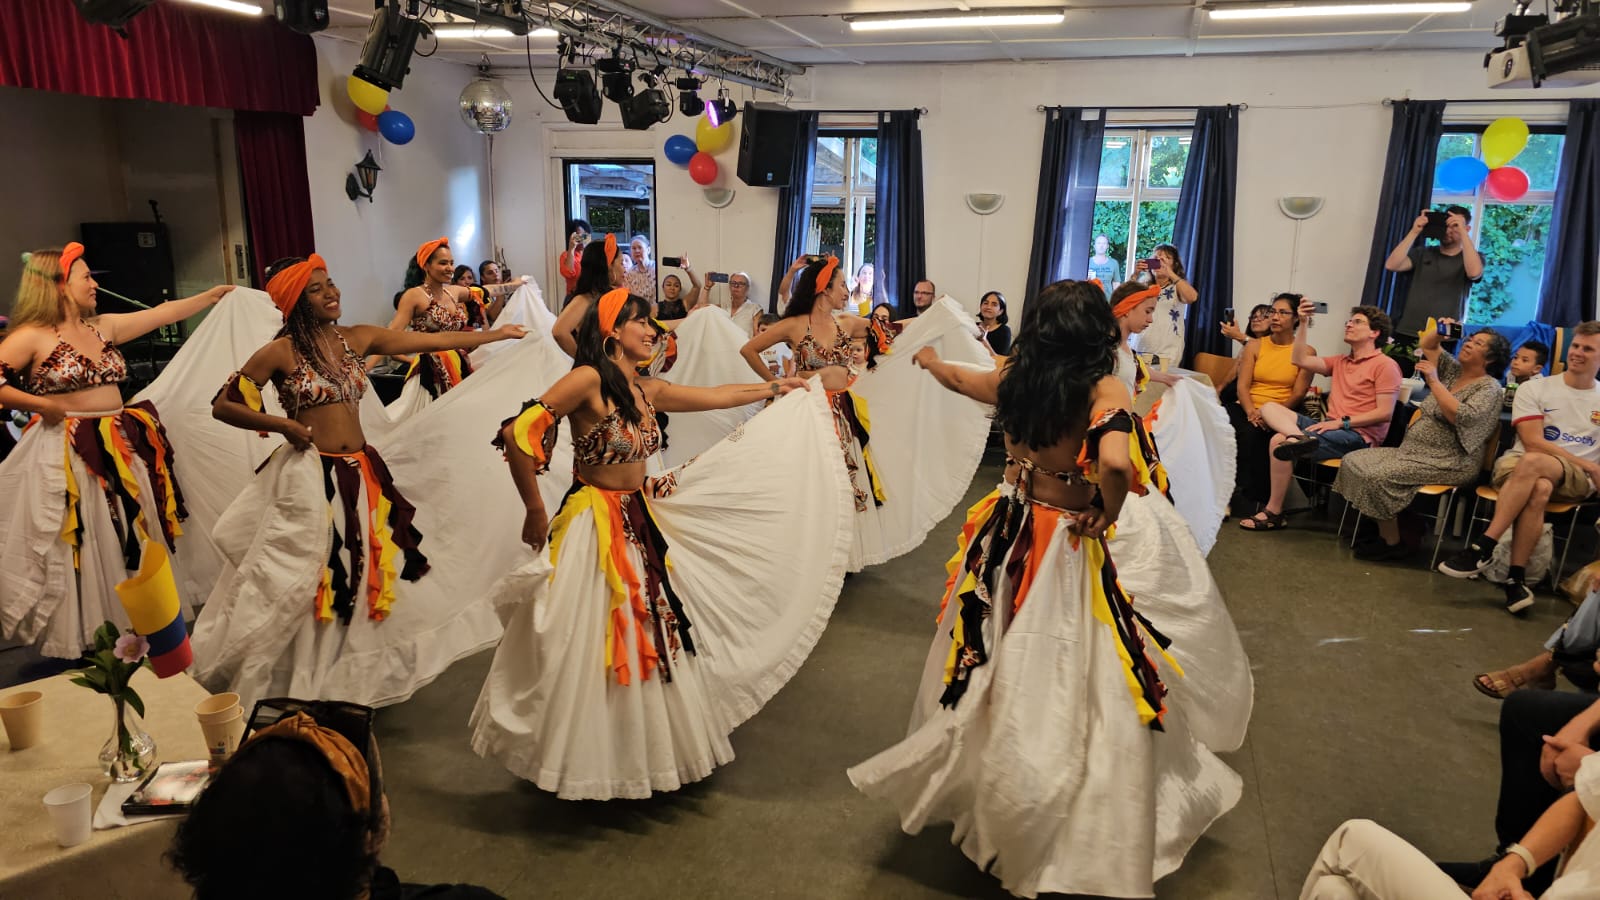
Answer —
311 603
1053 724
92 487
650 632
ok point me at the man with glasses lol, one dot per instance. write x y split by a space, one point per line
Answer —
922 296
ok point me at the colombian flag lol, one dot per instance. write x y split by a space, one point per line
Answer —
150 599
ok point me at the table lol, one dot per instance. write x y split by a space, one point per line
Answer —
114 863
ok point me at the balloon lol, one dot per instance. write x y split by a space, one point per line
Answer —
702 168
397 127
367 120
1503 140
367 96
712 139
1507 183
680 148
1461 175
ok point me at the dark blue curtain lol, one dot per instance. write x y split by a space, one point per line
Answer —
1203 229
794 207
1063 214
902 258
1571 279
1407 189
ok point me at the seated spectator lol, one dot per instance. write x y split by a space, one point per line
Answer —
922 297
570 262
297 812
1443 446
778 358
994 332
1571 650
1528 362
1256 326
464 277
1267 374
1365 385
489 272
674 303
1556 457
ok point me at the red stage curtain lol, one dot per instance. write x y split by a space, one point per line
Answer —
173 53
277 192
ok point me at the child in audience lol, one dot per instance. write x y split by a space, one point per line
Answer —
1528 362
779 358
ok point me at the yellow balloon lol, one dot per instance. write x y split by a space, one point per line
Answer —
368 97
710 139
1503 140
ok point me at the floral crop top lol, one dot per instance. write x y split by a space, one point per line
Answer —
438 317
612 441
67 369
810 355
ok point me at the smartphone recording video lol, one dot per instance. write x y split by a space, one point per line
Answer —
672 262
717 278
1438 224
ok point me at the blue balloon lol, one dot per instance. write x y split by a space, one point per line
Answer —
1461 175
680 148
396 127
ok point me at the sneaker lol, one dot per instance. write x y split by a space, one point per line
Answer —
1467 562
1296 446
1380 551
1519 597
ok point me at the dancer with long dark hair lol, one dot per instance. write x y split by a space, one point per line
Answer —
599 270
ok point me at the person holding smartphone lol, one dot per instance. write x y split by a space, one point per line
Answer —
1441 275
570 262
1164 337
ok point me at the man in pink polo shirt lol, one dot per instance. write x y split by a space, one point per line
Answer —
1360 407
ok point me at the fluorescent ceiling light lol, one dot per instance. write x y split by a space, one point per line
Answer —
988 18
229 5
1342 9
450 32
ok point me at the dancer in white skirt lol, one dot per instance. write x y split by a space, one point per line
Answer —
667 618
1044 728
319 542
91 481
910 447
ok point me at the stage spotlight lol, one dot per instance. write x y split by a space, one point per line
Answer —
113 13
722 110
647 107
576 93
386 55
616 76
689 102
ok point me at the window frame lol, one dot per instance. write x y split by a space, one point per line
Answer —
1138 189
569 182
854 200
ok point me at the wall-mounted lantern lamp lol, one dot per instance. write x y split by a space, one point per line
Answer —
363 180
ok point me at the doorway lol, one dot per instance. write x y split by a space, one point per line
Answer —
615 196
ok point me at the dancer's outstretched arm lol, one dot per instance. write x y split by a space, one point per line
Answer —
669 397
983 387
120 328
372 340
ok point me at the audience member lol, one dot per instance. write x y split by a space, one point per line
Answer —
861 290
1528 362
922 296
1441 276
1267 374
298 812
778 358
489 273
1556 457
640 277
884 313
1102 267
741 308
464 277
571 259
1444 445
1571 650
675 304
995 333
1258 325
1164 337
1365 385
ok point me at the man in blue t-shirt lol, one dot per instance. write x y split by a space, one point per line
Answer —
1103 267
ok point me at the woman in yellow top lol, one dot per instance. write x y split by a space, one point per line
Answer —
1267 374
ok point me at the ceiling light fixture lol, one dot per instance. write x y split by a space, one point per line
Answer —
722 110
229 5
988 18
689 101
453 32
1341 9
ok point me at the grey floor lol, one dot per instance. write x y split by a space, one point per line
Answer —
1363 708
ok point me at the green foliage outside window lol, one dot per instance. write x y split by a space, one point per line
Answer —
1156 219
1512 236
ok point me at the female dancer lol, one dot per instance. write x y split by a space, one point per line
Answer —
435 305
63 549
318 542
600 271
1045 727
665 621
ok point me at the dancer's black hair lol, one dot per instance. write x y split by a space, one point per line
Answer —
806 289
302 327
594 272
1066 343
595 350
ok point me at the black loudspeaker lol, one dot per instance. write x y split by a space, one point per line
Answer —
303 16
132 258
767 144
114 13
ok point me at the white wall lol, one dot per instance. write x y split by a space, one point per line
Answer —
436 185
1316 126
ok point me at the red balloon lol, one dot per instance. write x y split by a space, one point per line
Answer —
368 121
702 168
1506 183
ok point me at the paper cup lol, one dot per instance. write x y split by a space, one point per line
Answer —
70 813
23 715
222 738
217 708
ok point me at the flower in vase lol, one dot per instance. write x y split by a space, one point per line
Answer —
131 648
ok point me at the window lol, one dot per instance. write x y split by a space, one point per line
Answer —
1141 173
615 196
1511 236
844 185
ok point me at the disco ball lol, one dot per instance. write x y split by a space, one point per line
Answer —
486 106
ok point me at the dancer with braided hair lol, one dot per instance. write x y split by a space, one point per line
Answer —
91 489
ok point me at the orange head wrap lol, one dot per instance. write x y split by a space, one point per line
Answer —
610 307
425 252
347 762
825 276
611 249
287 286
1132 301
70 254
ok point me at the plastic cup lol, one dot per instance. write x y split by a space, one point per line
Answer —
70 813
217 707
23 715
222 738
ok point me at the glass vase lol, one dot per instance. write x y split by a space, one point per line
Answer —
131 752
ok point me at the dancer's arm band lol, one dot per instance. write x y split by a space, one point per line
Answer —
534 430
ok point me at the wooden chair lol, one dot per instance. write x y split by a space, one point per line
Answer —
1214 366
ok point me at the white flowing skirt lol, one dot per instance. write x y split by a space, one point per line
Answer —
756 588
708 356
1196 444
1043 765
